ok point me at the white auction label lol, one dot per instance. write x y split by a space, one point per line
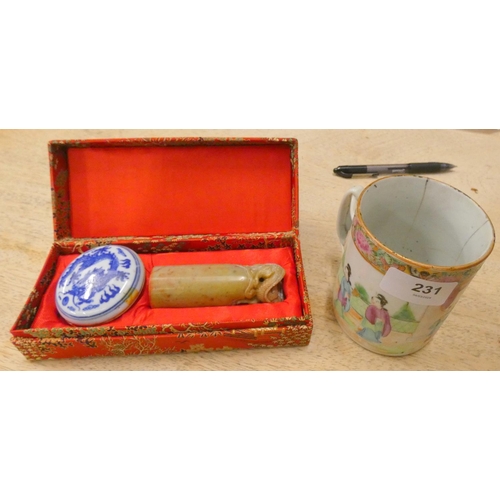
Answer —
416 290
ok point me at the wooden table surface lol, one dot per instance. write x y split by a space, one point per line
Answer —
468 340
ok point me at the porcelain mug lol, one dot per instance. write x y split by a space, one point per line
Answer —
411 246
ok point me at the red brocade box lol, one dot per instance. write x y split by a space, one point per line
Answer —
173 201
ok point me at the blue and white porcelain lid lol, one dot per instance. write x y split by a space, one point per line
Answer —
100 285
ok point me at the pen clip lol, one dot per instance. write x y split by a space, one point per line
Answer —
341 173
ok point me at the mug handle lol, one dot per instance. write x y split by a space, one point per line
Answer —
346 212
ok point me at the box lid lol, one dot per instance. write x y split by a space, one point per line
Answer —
173 186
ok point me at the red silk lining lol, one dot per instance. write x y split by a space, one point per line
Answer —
139 191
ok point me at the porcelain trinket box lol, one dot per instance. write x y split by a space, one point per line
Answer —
100 285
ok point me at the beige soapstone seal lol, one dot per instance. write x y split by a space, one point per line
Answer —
215 285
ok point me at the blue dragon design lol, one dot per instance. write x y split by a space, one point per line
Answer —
93 279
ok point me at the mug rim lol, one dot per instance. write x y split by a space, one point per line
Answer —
416 263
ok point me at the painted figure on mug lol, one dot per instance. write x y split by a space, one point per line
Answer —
376 323
345 289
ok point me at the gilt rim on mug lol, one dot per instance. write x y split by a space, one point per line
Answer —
414 263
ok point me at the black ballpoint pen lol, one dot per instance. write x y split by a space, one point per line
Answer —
403 168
